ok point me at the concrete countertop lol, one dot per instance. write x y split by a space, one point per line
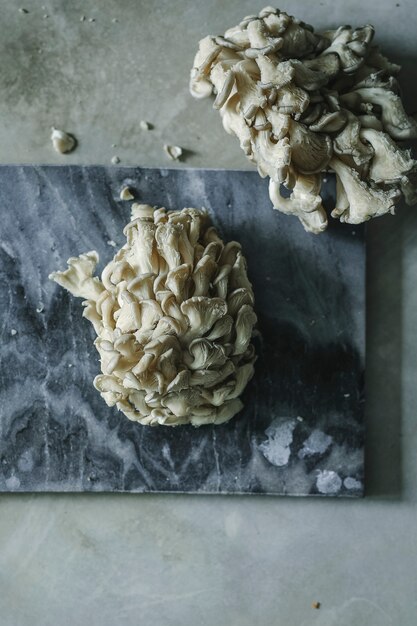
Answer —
176 560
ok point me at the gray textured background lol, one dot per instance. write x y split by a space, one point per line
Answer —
177 560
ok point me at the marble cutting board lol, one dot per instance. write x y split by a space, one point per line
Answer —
301 432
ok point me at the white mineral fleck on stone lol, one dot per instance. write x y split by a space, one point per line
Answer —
111 243
26 462
13 332
316 443
352 483
328 482
277 447
12 483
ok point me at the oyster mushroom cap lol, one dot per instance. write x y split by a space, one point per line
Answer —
389 163
350 45
175 341
349 144
78 278
393 117
235 124
273 159
310 152
304 202
273 74
328 64
364 200
200 85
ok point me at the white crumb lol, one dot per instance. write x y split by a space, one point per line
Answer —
174 152
62 141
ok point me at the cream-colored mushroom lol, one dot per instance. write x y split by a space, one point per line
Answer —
394 119
351 46
174 318
389 163
348 143
78 278
200 85
310 152
364 200
294 97
304 202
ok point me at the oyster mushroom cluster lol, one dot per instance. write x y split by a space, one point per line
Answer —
302 102
173 313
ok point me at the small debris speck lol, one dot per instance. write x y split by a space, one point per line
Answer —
115 160
115 20
300 419
346 395
62 142
114 145
69 364
40 309
325 179
145 125
45 17
13 332
174 152
91 19
82 18
126 194
23 11
315 605
111 243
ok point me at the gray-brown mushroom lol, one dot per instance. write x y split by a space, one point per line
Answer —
300 101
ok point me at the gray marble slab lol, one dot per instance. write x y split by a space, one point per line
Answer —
301 431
